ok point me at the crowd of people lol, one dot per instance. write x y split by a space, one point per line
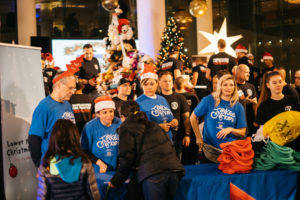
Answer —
150 135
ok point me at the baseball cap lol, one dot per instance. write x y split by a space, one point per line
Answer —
124 80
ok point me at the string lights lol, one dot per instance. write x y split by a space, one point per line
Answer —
173 36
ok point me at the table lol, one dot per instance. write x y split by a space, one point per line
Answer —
205 181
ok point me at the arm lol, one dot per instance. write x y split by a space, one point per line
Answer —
177 73
166 126
254 105
194 123
91 184
35 143
240 125
102 166
195 78
207 74
127 157
174 123
187 126
240 132
42 185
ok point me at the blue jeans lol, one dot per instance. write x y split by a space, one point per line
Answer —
161 186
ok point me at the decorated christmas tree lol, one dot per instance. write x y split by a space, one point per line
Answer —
172 36
121 56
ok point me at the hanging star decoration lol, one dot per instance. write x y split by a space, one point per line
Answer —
213 38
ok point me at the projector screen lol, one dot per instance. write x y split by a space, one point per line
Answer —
65 50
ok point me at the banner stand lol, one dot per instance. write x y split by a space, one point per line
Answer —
21 90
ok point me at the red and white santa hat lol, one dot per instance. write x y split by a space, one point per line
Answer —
122 22
149 72
240 49
104 102
267 56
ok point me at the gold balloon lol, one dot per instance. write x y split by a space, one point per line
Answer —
183 19
110 5
198 8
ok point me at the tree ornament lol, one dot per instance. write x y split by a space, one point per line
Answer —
198 8
110 5
183 19
13 171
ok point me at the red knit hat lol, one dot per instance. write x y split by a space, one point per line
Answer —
240 49
104 102
149 72
267 56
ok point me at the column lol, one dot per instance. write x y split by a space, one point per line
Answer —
204 23
151 21
26 21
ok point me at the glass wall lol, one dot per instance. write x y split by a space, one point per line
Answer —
190 34
8 21
266 25
78 18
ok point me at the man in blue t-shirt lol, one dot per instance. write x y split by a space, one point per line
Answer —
50 109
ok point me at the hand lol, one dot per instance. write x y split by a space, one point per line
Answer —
224 132
102 166
249 101
200 144
173 123
92 82
111 185
186 141
165 126
84 81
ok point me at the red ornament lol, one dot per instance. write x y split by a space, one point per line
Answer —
13 171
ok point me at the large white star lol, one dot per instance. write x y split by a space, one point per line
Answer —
213 38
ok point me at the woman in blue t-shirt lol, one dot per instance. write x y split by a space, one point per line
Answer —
155 106
99 136
225 119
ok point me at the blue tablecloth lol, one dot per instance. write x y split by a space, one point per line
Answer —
205 181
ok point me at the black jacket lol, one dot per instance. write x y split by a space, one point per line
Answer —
158 153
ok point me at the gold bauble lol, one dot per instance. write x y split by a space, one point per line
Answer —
110 5
183 19
198 8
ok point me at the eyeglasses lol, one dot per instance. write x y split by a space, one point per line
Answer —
297 77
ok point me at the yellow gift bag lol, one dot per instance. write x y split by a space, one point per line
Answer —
283 128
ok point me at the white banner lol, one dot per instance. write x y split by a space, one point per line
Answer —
22 88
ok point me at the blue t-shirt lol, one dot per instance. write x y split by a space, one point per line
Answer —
157 109
102 141
44 117
218 118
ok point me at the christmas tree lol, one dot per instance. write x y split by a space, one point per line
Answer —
172 36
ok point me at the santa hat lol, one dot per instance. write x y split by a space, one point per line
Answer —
149 72
121 23
104 102
267 56
240 49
